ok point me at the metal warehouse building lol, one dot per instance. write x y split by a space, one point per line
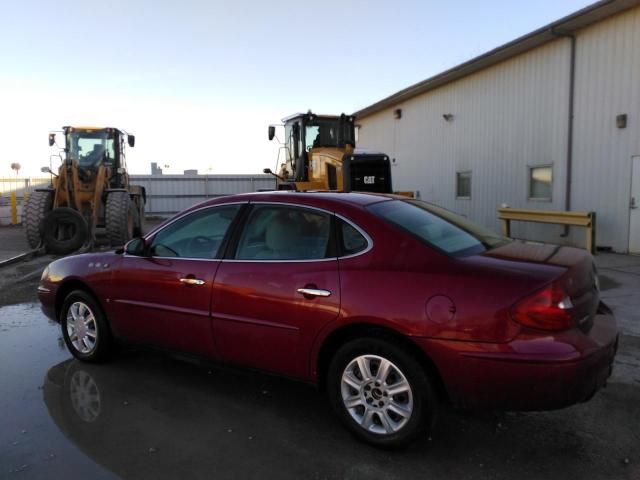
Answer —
550 120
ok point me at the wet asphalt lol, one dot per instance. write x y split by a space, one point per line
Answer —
149 415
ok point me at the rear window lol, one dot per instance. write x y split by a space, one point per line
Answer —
438 227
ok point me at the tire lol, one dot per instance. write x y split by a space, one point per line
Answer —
64 230
119 218
374 412
88 337
35 210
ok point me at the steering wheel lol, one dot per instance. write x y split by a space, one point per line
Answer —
161 250
201 245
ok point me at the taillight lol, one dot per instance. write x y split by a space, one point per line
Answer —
546 309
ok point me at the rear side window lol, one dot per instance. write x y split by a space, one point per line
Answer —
285 233
351 240
438 227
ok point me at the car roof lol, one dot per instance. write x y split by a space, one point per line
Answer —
309 198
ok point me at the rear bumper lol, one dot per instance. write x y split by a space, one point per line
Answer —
535 371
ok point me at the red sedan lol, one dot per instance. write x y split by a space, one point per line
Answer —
391 305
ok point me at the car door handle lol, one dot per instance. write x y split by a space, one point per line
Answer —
192 281
314 292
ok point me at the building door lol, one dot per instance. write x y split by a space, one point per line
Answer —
634 205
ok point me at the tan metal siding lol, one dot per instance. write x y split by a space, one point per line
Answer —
506 119
514 115
607 84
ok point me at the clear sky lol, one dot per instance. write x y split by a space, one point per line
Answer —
198 81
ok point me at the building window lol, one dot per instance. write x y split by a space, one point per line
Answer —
540 182
463 185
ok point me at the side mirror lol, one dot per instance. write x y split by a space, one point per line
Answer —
131 139
267 171
45 170
136 247
272 132
52 139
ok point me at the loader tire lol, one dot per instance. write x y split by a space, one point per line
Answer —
119 218
64 230
35 209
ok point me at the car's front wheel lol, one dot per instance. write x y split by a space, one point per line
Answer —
380 392
84 327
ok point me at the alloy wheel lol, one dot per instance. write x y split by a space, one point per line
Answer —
81 327
376 394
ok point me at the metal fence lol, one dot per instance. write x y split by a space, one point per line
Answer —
166 194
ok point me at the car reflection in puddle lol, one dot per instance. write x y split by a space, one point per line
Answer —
85 396
154 417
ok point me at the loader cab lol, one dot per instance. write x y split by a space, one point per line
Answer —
305 132
90 148
320 154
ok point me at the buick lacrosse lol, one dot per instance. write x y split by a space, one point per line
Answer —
390 305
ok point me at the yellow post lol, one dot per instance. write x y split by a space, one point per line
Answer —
14 208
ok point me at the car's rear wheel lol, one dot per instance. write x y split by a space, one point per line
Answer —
84 327
380 392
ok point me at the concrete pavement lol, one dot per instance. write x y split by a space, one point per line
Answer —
620 288
145 415
12 242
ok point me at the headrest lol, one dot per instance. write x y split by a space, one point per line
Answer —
279 235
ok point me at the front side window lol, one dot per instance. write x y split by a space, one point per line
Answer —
293 146
540 182
289 134
276 232
438 227
197 235
310 136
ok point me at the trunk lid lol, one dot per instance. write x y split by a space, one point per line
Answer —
578 276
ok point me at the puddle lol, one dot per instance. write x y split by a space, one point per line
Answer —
30 444
149 416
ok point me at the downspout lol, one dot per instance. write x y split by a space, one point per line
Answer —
572 81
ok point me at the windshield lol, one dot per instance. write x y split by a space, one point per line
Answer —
323 132
91 148
438 227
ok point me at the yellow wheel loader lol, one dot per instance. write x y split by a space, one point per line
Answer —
320 154
89 196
